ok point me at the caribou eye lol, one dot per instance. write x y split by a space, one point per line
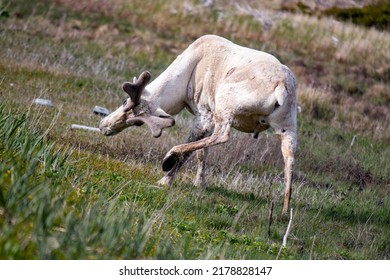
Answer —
124 102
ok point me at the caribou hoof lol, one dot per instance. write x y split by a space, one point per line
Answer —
169 162
165 181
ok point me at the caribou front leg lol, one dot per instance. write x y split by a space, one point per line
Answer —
167 180
199 180
176 154
201 156
199 131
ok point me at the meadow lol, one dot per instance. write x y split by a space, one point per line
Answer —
74 194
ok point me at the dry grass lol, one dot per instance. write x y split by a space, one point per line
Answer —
345 62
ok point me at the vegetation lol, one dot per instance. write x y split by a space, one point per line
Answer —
69 194
374 15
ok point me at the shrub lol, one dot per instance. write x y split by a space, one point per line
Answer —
373 15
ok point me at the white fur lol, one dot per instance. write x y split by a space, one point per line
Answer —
224 85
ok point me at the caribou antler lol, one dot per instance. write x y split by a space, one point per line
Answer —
134 90
156 124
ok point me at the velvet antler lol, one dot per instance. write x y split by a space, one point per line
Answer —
134 90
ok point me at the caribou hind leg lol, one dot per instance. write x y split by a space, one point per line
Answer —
288 148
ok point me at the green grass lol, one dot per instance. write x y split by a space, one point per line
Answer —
69 194
57 203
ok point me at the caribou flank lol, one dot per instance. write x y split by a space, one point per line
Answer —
223 85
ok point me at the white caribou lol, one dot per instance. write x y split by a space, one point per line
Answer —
223 85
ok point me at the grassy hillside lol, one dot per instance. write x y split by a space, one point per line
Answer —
70 194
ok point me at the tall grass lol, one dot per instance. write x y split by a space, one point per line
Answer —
55 205
46 213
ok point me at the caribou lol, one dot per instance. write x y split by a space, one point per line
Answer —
224 86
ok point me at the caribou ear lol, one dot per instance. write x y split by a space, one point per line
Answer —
134 90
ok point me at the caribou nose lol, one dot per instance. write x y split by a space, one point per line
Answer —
105 131
103 128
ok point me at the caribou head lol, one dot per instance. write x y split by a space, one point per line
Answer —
136 111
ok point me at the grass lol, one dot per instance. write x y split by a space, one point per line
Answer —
68 194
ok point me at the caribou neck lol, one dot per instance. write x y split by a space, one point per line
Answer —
169 90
